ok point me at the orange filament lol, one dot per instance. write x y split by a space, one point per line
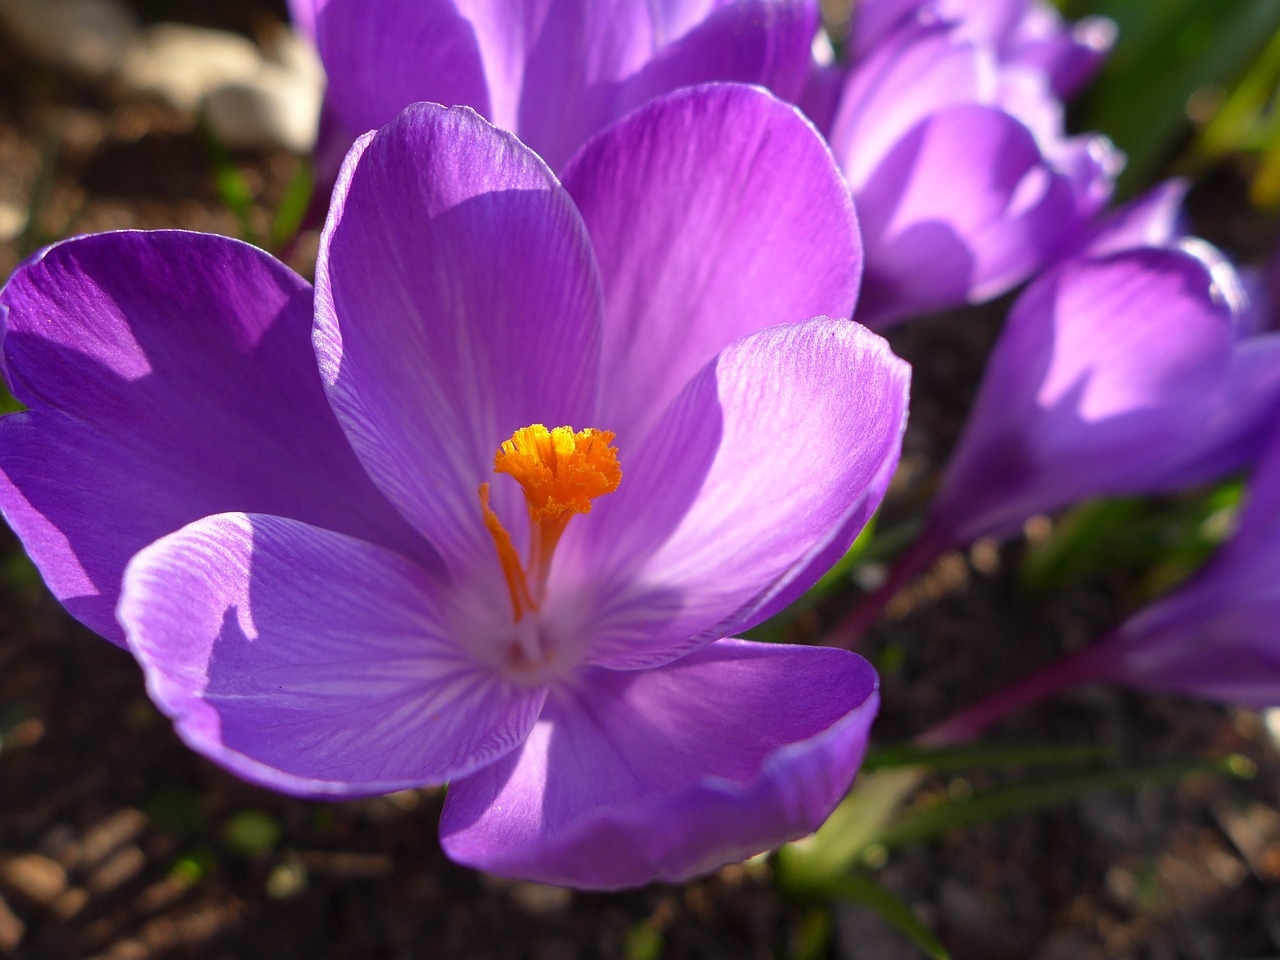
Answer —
561 472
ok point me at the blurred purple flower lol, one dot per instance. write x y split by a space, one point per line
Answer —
360 602
1214 637
1127 369
1134 366
553 72
948 124
1218 635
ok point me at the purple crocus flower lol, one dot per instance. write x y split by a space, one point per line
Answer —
551 71
1128 369
1132 367
485 514
952 140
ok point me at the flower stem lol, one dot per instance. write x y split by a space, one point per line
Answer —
912 561
972 721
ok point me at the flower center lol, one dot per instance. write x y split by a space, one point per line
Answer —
561 472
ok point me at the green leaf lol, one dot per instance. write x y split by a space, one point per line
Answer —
251 833
971 755
1166 51
914 826
861 888
230 185
293 205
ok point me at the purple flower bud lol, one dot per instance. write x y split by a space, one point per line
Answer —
949 127
1130 368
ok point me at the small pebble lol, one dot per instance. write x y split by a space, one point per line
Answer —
183 64
37 878
90 38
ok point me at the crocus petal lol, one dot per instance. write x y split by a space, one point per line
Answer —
775 455
1068 55
720 246
381 57
311 662
553 71
169 376
1114 375
1215 636
921 69
631 777
457 300
1155 219
965 207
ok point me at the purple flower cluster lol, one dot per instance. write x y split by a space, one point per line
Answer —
576 400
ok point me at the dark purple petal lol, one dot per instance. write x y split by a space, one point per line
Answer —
457 300
169 376
313 663
766 465
965 207
380 57
1215 636
1115 375
665 774
714 212
553 71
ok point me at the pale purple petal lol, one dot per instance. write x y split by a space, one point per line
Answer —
773 457
965 207
169 376
457 300
311 662
665 774
920 70
1215 636
701 241
1115 375
1155 219
1067 55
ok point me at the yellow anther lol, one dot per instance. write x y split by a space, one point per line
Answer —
561 472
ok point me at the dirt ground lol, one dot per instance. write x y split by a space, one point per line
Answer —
116 841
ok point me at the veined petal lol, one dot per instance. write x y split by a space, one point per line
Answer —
664 774
169 375
773 457
701 241
457 300
313 663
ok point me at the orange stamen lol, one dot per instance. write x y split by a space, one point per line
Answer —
561 472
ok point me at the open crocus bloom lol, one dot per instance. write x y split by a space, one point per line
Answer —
965 182
553 72
1216 636
1129 368
485 515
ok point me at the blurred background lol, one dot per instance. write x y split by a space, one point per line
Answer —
116 842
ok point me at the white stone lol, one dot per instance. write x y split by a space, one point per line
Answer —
91 38
13 220
183 64
275 108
